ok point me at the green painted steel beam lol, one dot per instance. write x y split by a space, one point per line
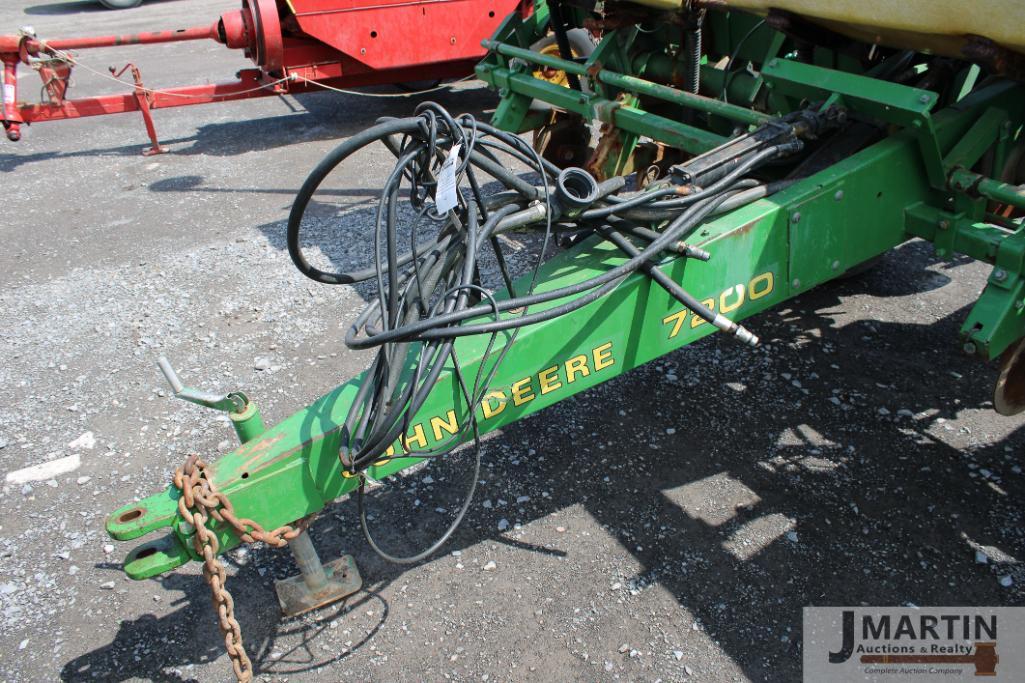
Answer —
891 102
762 254
637 86
631 119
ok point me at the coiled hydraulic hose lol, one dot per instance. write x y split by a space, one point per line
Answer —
429 289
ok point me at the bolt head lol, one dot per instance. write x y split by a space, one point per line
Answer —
944 224
836 265
795 217
969 348
923 98
796 283
839 195
999 274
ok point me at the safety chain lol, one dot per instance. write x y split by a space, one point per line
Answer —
200 501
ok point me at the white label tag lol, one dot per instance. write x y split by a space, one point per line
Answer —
8 93
445 198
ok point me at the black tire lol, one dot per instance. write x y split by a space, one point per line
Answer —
120 4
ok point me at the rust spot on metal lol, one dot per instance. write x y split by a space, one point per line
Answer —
994 57
745 228
258 448
248 466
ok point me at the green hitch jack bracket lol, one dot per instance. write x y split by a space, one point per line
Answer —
248 422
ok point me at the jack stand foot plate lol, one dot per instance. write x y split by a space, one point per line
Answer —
295 597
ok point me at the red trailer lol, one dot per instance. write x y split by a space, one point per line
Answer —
297 46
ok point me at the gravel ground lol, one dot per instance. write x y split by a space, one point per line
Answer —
853 459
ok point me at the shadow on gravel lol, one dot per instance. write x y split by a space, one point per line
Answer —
886 512
324 116
194 183
75 7
56 8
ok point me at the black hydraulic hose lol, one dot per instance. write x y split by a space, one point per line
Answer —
679 293
727 180
313 181
560 28
442 326
429 291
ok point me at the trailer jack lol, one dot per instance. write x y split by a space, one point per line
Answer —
316 584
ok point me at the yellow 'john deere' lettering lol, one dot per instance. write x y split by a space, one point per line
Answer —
518 393
562 374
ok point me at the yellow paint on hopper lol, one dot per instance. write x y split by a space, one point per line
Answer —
939 26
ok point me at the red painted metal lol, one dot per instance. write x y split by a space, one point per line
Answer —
12 115
142 98
394 33
56 77
34 46
338 43
269 47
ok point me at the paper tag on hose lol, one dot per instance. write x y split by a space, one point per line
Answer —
9 95
446 197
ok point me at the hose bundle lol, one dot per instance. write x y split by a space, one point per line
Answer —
429 290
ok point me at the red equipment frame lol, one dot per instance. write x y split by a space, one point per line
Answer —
297 46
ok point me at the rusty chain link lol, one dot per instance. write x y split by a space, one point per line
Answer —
200 500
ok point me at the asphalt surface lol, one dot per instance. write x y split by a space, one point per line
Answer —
669 524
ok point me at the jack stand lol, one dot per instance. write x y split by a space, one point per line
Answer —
316 584
143 96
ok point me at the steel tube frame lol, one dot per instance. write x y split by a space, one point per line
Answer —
241 89
634 85
1005 193
34 46
625 117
